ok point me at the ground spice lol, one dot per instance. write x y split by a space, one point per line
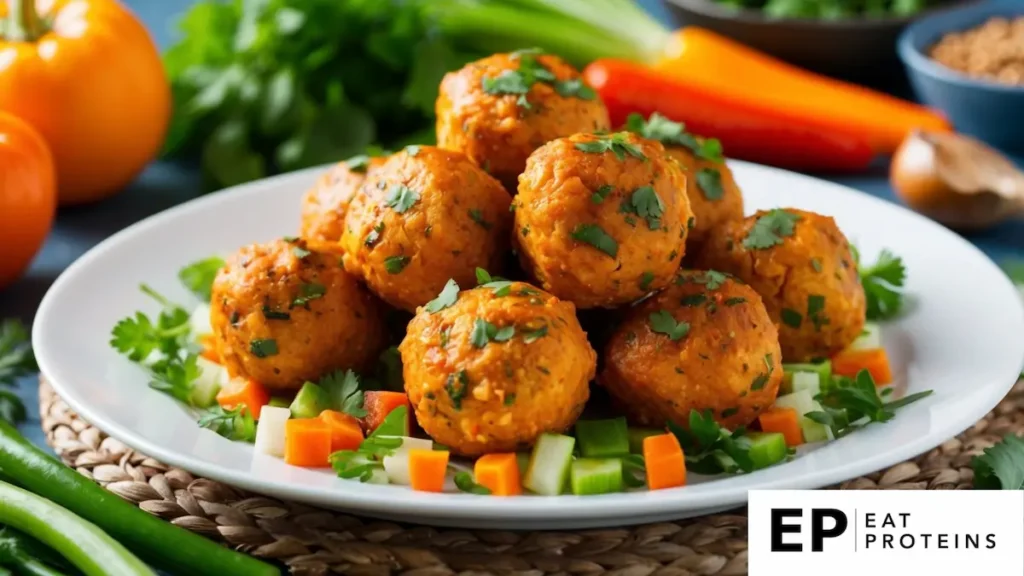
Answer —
993 50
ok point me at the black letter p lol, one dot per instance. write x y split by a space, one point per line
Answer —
818 532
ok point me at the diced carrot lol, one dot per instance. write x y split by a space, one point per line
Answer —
245 392
378 404
427 469
875 361
499 473
209 348
784 421
346 433
307 442
663 457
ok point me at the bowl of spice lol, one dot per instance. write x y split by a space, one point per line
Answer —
969 63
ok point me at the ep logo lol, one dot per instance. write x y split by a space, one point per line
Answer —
821 522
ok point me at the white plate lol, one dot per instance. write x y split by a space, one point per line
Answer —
963 337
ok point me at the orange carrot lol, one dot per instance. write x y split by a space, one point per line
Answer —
875 361
499 473
346 433
307 442
663 457
208 344
784 421
379 404
427 469
245 392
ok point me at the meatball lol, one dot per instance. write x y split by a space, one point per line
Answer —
704 343
285 312
500 365
601 220
801 265
325 204
483 111
425 216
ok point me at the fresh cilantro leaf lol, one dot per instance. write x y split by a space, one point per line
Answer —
710 149
815 306
851 403
12 409
601 194
233 424
484 332
198 276
670 133
263 347
16 358
645 280
1001 466
139 337
464 482
374 234
711 449
791 318
530 336
344 393
883 286
395 264
662 322
501 288
174 376
574 88
478 217
735 300
358 164
711 279
770 228
617 144
401 198
448 296
508 82
457 386
710 182
596 236
691 300
308 291
271 314
645 203
482 276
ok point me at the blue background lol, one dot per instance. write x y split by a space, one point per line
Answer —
164 184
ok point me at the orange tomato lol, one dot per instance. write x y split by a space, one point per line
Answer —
28 197
87 76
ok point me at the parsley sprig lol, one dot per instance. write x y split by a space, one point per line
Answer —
662 322
1000 466
233 424
770 228
670 133
344 392
530 72
617 144
852 403
645 203
883 285
198 276
16 361
594 235
710 448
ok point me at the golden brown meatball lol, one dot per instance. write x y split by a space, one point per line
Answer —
499 366
704 343
801 265
425 216
325 204
601 220
285 312
482 110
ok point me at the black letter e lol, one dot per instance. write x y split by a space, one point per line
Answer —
779 528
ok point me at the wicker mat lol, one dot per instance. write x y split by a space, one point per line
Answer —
312 541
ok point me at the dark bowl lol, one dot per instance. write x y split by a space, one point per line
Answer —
860 50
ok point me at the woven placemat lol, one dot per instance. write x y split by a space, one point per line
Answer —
314 541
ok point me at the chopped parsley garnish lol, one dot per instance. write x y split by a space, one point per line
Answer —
308 291
530 336
645 203
234 423
574 88
478 216
395 264
500 286
344 392
770 228
662 322
851 403
596 236
710 182
530 72
660 128
448 296
791 318
711 279
510 399
358 164
484 332
815 305
445 336
271 314
263 347
300 252
735 300
711 449
456 387
883 286
198 276
525 231
762 379
691 300
816 264
401 198
617 144
374 234
691 223
645 280
508 82
601 194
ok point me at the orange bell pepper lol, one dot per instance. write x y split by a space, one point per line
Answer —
87 76
702 58
244 392
28 196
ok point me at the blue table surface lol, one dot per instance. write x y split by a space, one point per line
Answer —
164 184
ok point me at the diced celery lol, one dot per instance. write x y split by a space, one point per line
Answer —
279 402
636 438
767 448
870 338
270 432
199 321
823 369
397 467
212 377
802 401
814 431
549 464
806 381
602 438
596 476
309 402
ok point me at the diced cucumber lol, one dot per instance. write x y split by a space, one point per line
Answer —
396 423
279 402
204 388
806 381
602 438
549 464
870 337
596 476
270 432
199 321
814 431
767 448
823 369
309 402
636 438
802 401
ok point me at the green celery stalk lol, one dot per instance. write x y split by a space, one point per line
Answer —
603 438
590 476
549 464
767 448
